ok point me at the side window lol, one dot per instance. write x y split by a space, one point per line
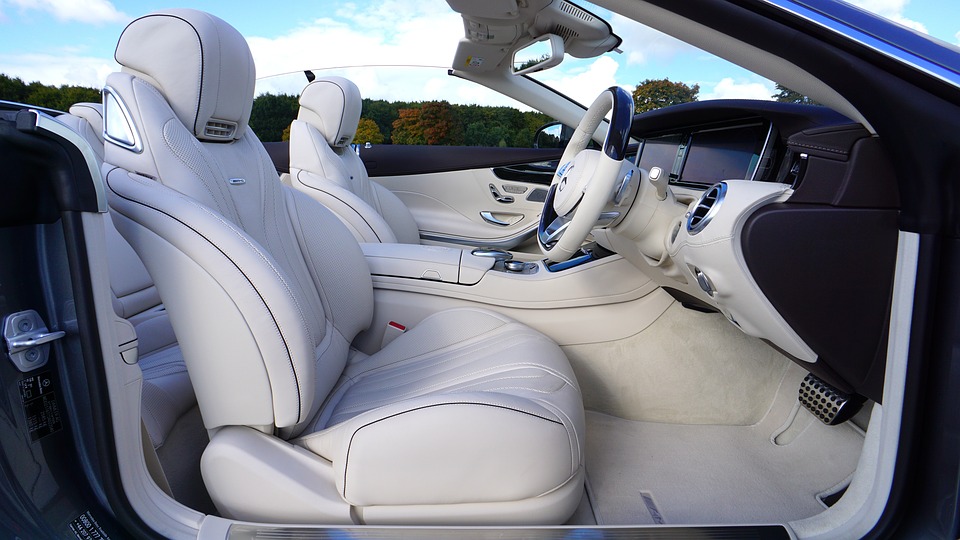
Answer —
452 111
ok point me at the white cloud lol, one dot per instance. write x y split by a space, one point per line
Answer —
57 70
584 83
644 44
957 37
728 88
891 9
395 32
85 11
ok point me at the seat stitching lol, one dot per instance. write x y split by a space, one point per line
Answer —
230 227
424 390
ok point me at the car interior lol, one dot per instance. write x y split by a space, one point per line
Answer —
655 334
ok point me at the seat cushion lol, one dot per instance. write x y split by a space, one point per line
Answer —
467 407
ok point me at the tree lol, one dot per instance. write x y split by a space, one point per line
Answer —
656 93
440 123
433 122
271 114
407 128
368 132
786 95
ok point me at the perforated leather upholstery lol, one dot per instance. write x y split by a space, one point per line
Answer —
323 165
469 417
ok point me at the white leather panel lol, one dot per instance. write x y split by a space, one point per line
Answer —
365 223
467 382
332 105
450 203
182 52
337 178
252 363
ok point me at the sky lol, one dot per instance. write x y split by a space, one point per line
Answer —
72 41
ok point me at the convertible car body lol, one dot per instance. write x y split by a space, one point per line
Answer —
725 318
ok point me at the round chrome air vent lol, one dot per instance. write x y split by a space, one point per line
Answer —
706 208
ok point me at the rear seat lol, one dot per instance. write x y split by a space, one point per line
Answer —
169 407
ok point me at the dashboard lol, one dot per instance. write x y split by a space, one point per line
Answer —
787 226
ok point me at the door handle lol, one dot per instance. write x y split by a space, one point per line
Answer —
489 218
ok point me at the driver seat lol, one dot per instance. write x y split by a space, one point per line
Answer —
467 418
324 166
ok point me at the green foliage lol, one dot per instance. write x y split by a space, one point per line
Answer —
272 114
531 62
786 95
42 95
656 93
435 122
368 132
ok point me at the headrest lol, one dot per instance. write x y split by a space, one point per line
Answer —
93 114
332 105
201 65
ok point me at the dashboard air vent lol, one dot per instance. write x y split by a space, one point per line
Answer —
706 208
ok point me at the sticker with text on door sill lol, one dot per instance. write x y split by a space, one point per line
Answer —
87 528
39 397
652 507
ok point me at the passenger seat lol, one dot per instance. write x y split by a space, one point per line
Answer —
324 166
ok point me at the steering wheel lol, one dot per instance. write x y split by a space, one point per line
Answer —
585 179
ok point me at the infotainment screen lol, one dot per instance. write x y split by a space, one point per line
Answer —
730 153
702 157
660 152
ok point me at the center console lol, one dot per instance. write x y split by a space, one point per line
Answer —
599 300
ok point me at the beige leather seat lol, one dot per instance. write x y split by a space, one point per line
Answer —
469 417
324 166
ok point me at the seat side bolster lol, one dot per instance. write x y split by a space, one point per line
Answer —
394 212
413 452
249 351
363 221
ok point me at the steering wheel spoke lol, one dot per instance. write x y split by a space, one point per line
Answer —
584 183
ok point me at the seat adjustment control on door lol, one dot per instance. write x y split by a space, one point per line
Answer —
28 340
505 199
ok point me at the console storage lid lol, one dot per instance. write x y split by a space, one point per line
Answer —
435 263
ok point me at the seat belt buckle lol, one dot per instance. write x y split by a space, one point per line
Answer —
390 333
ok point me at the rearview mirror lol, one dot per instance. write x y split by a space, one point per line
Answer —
543 53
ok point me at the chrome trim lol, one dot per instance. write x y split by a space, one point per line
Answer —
48 123
502 243
550 235
876 44
136 145
622 190
488 217
711 210
766 144
606 218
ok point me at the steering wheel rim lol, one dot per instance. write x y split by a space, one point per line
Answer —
572 208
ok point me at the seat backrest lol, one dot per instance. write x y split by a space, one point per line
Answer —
323 165
251 272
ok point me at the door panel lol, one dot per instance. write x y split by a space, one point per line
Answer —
453 204
463 194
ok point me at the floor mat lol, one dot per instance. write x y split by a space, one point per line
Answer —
651 473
